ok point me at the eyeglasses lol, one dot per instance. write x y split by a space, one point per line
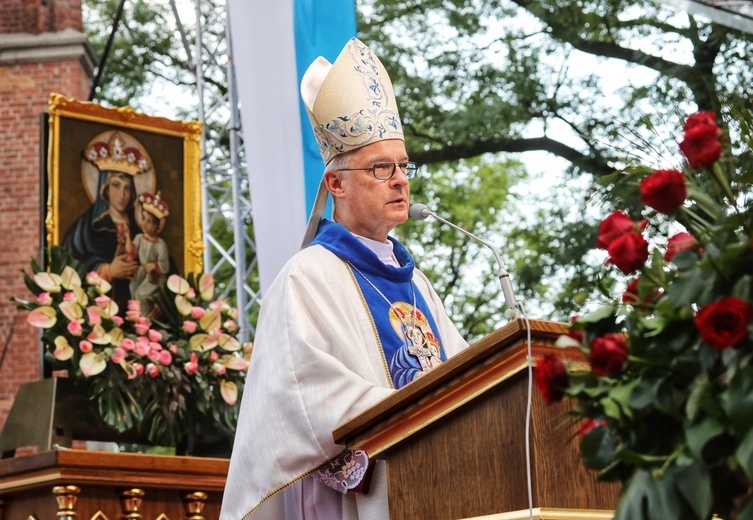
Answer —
385 170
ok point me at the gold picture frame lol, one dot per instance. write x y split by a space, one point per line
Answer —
88 142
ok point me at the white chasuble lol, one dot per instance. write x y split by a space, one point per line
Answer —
317 362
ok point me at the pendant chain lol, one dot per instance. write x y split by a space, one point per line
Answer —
412 288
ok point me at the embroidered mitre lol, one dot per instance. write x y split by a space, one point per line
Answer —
350 103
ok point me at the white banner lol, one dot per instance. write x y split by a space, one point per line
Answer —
273 42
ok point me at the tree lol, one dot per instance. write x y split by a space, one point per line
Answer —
507 76
479 79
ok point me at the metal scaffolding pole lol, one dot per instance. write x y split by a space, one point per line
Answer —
226 202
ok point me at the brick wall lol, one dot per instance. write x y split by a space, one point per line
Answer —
25 87
39 16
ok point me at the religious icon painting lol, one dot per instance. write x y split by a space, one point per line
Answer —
123 194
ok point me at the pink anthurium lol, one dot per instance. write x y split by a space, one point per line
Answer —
103 286
234 362
63 350
229 343
99 336
182 304
206 286
42 317
177 284
211 320
49 282
72 310
112 309
94 315
81 296
116 336
92 364
202 342
70 279
229 392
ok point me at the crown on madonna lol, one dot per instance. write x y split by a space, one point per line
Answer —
114 155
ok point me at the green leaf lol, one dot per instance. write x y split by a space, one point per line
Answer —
694 484
599 314
685 288
597 448
701 433
744 454
738 401
679 493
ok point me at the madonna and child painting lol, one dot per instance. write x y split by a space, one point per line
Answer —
123 198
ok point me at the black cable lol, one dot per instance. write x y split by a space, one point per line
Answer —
102 62
7 340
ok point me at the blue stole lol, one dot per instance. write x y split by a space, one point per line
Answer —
409 338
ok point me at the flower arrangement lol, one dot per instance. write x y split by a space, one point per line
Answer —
666 407
154 376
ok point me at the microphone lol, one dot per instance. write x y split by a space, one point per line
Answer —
422 212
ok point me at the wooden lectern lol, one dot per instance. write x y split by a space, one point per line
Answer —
455 439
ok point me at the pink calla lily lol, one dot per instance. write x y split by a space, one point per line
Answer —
92 364
42 317
49 282
229 392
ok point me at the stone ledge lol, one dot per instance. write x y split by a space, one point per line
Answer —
66 45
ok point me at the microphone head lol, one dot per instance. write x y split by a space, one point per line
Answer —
419 211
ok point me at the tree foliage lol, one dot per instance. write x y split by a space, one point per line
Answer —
583 81
490 78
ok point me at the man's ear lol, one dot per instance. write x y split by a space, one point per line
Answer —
334 182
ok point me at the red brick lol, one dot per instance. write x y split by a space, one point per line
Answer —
24 94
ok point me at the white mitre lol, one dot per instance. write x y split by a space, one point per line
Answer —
350 103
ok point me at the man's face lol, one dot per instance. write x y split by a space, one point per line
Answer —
368 206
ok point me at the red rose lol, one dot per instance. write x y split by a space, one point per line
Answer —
631 292
589 425
680 242
631 296
576 334
724 324
701 145
608 354
551 378
628 252
664 190
616 225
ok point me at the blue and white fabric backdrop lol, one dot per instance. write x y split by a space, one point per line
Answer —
273 42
